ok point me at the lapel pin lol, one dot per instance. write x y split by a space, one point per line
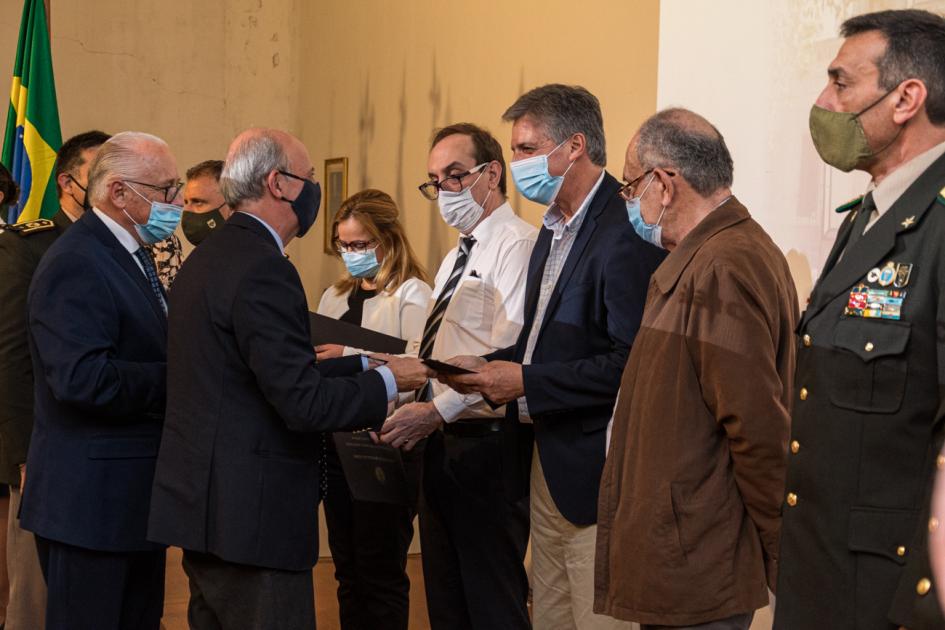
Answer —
908 222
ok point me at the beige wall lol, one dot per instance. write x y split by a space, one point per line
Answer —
364 79
380 76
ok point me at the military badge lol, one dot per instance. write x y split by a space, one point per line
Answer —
903 273
887 274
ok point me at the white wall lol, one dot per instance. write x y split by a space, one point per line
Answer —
754 69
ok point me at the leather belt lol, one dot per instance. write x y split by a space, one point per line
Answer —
472 428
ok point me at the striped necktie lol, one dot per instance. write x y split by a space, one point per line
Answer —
151 274
439 308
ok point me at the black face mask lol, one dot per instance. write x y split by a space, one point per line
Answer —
85 195
198 225
306 204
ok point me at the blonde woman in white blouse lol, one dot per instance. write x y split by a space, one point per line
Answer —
384 289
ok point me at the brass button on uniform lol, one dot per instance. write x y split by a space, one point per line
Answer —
795 446
924 586
806 340
791 499
869 346
803 393
900 551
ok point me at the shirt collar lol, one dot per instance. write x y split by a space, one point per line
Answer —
127 240
896 183
555 221
492 223
275 234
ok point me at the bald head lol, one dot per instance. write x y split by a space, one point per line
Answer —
685 142
253 156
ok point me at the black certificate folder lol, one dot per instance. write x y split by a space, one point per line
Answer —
331 330
374 472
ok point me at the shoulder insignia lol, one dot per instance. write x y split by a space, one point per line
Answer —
850 204
31 227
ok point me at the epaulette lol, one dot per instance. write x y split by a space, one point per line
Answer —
31 227
850 204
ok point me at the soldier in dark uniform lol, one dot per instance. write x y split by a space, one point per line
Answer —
871 352
21 247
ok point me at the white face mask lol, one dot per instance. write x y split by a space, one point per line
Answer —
459 209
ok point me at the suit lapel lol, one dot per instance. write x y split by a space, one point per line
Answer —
126 261
608 188
536 267
904 215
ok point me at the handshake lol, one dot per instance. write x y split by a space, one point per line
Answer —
498 381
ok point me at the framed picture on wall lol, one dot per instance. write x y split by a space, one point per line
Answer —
336 191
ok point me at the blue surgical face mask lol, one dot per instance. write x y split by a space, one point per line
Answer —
361 264
162 220
533 179
652 234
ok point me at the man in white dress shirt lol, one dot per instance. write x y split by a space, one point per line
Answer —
473 535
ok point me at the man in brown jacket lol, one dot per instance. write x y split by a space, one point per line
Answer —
689 509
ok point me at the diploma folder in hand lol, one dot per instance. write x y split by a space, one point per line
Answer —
330 330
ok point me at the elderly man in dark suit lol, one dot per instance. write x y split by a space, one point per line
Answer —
21 247
584 295
689 509
241 465
98 329
869 405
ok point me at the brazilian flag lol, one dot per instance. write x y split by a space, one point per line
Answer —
32 135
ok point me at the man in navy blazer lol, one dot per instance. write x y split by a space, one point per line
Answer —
97 329
239 473
587 282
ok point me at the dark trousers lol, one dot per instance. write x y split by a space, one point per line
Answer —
736 622
473 537
101 590
227 596
369 543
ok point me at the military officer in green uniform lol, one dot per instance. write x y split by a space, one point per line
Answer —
870 371
21 246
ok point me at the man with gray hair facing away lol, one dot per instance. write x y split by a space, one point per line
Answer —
98 329
689 508
242 462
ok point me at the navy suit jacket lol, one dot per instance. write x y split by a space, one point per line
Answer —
238 473
98 344
571 384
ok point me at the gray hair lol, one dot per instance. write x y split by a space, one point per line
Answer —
120 158
684 140
247 166
564 110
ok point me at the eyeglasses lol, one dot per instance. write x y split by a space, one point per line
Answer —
354 247
170 191
628 190
453 183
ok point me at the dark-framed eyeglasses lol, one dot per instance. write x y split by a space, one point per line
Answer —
453 183
170 191
354 247
628 190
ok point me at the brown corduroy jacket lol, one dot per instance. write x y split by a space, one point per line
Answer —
691 493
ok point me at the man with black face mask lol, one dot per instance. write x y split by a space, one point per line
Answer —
21 247
205 210
240 467
870 381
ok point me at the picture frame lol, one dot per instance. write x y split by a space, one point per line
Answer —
336 191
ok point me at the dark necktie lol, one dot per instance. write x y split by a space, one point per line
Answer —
151 273
861 220
439 308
